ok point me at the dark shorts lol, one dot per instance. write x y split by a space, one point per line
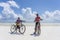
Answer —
18 27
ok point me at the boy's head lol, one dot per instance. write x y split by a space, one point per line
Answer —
37 15
18 17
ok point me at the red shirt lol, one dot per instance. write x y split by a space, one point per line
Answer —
37 19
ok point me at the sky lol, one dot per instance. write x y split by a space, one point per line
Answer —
48 10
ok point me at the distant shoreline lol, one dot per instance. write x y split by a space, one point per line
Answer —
31 24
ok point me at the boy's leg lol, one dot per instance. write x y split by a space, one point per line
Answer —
18 28
35 28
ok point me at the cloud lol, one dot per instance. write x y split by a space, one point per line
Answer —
52 16
0 16
13 3
8 12
28 14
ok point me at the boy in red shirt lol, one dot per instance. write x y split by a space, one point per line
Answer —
37 20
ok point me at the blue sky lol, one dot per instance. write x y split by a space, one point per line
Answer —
49 10
40 5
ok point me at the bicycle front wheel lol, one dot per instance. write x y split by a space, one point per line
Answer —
13 28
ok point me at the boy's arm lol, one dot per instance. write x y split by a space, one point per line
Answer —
41 18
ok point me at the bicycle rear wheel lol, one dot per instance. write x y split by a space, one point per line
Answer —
22 29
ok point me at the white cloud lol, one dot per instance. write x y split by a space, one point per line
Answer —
23 10
51 16
0 16
7 11
28 14
13 3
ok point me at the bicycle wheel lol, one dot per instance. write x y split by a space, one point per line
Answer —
13 28
22 29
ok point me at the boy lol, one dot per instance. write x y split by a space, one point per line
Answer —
37 20
18 23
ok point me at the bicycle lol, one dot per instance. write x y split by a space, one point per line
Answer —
22 28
